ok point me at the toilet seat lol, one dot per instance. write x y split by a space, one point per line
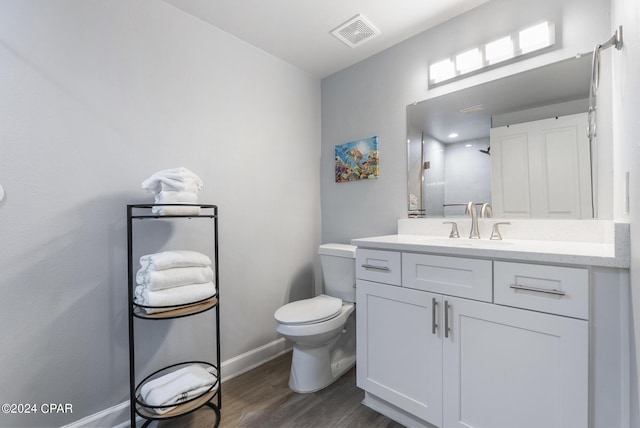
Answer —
309 311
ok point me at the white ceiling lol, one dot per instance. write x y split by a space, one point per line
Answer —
298 31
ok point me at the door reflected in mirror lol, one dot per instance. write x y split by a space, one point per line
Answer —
518 143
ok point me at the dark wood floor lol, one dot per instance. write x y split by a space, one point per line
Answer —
261 398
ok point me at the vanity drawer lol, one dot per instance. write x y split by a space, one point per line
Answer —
553 289
453 276
378 266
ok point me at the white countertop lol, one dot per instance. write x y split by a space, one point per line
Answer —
614 253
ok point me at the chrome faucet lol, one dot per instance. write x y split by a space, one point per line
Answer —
486 211
471 209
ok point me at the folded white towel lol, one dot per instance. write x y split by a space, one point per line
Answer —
173 197
176 210
174 259
155 280
177 387
167 185
184 295
175 179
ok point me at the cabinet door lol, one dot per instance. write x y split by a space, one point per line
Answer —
506 368
399 349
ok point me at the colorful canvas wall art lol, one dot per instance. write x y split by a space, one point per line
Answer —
357 160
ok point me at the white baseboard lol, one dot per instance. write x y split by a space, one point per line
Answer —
250 360
118 416
105 418
126 424
393 412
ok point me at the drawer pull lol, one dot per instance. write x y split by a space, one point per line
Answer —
374 267
538 290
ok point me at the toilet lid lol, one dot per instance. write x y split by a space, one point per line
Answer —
316 309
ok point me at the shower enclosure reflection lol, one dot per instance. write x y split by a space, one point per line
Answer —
473 145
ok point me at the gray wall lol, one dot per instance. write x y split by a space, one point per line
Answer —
370 98
95 96
626 131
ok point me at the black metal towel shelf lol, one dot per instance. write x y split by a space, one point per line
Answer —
136 311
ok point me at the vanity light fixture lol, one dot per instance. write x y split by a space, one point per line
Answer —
523 42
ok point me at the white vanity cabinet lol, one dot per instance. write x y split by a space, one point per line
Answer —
436 350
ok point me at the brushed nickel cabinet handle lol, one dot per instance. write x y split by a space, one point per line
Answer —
434 325
537 290
446 319
374 267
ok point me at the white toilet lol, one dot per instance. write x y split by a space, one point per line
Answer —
323 328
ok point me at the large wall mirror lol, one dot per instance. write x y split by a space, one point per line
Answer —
519 143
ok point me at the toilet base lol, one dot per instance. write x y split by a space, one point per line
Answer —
311 372
314 368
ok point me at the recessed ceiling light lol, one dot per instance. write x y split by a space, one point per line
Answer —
453 135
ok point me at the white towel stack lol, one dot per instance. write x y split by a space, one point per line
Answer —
174 186
173 278
177 387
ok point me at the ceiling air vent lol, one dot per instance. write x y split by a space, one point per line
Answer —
355 31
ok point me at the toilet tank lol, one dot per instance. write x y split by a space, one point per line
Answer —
339 270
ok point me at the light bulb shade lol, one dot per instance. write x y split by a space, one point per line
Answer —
442 70
499 50
535 37
469 60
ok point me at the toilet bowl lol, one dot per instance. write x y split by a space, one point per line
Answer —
322 328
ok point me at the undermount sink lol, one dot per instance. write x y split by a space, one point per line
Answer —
465 242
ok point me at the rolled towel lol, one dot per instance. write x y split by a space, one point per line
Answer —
156 280
174 259
177 296
175 179
177 387
173 197
176 210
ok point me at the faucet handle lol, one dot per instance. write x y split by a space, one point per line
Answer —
454 229
495 233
